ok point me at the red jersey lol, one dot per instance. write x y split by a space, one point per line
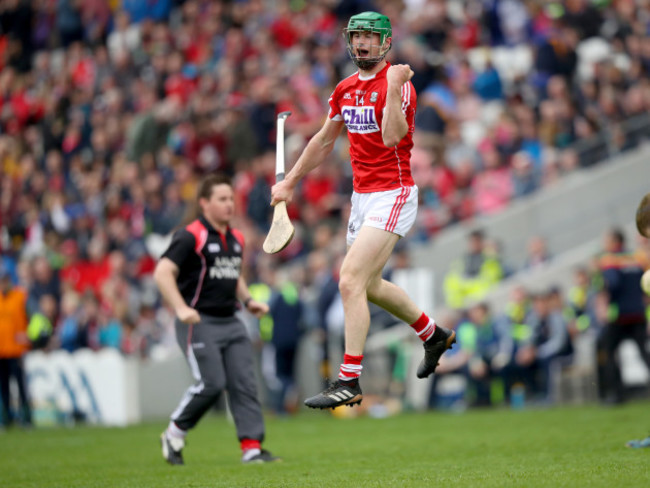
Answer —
360 102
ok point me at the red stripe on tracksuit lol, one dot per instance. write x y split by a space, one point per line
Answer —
200 233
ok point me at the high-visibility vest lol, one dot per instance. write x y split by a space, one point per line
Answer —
39 327
261 292
459 289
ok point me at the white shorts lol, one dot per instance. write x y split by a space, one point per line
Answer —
393 211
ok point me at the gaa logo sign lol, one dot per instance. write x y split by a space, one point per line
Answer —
360 119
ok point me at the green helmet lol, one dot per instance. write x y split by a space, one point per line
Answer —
368 22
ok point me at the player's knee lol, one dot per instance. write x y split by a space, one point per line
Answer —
350 285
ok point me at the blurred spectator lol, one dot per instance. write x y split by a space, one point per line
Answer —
131 343
558 304
41 323
621 272
148 132
287 311
449 385
147 328
557 54
458 151
45 281
322 287
69 333
517 309
537 253
472 276
581 300
493 186
488 347
536 356
13 345
16 20
109 331
151 9
125 37
488 84
68 21
259 198
437 103
88 322
164 212
525 177
582 16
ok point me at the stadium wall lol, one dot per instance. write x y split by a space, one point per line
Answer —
103 387
577 209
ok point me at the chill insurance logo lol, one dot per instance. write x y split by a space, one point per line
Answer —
360 119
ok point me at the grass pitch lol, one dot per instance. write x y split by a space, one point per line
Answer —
560 447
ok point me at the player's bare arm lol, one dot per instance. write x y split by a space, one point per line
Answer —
394 126
253 306
313 155
165 276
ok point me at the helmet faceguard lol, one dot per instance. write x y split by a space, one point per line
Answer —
369 22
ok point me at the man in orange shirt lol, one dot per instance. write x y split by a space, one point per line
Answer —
13 345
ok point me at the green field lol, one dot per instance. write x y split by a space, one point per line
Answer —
572 447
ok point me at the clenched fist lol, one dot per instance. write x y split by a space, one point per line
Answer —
399 74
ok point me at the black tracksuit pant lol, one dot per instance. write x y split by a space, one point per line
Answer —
220 356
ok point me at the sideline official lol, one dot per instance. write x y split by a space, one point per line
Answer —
199 275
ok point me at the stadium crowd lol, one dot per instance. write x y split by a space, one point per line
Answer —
110 111
527 342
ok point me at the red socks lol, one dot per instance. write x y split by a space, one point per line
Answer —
247 444
424 327
351 367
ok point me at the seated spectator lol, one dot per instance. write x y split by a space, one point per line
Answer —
449 385
546 340
516 310
581 298
559 304
487 344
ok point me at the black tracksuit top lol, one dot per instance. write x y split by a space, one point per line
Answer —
210 265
